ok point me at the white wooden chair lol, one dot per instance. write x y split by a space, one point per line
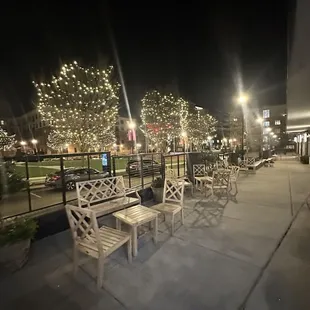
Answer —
95 242
243 165
172 204
234 174
170 174
220 182
200 175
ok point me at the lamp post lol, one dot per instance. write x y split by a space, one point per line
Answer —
132 135
242 100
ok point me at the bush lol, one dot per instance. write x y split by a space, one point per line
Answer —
20 229
158 183
10 181
304 159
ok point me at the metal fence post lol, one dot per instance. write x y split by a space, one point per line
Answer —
152 167
63 183
28 185
141 171
163 165
113 166
109 163
178 163
129 172
88 167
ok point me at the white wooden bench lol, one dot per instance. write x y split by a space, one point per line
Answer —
252 164
105 196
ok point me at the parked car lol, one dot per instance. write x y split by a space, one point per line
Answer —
73 175
133 167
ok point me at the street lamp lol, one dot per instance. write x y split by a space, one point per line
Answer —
242 100
34 142
132 125
259 120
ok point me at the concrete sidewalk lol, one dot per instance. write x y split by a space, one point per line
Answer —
241 253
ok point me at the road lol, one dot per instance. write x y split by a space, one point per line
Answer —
42 197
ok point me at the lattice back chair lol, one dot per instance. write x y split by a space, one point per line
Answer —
199 173
234 174
220 182
243 165
170 174
251 161
93 191
173 199
92 241
173 191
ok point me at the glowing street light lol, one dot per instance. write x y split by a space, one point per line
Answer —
184 134
259 120
243 99
138 145
34 141
132 125
23 143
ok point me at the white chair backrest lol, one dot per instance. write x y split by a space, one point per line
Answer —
251 161
234 172
174 191
221 178
100 189
243 163
199 170
83 223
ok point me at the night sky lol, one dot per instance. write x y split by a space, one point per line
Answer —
194 49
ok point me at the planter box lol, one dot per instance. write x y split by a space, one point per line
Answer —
15 256
158 194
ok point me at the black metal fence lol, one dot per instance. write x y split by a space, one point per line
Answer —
46 181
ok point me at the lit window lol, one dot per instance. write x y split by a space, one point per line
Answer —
266 124
266 113
277 122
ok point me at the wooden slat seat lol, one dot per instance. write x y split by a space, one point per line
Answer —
95 242
173 197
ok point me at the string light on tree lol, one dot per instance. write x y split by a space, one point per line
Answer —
200 127
6 142
81 106
162 117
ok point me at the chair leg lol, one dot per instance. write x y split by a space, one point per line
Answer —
192 190
129 250
134 241
100 272
155 230
182 216
118 224
236 187
75 260
172 225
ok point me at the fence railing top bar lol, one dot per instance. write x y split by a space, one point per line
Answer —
135 155
64 155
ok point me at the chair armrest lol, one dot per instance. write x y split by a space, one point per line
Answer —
81 199
130 191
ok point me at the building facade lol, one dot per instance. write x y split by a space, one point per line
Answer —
274 134
298 77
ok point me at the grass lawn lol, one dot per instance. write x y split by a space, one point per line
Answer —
41 169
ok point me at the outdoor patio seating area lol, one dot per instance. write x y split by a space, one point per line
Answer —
224 255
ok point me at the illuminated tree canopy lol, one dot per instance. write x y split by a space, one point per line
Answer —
200 127
81 107
162 117
6 141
